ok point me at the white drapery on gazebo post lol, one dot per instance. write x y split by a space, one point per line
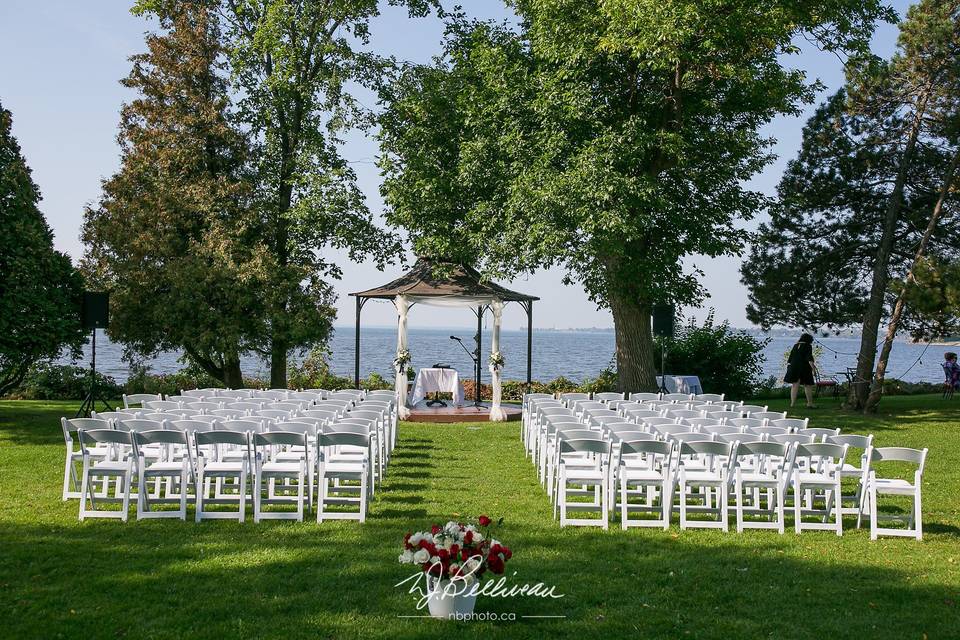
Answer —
400 386
462 286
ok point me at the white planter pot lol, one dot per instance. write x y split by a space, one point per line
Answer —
446 601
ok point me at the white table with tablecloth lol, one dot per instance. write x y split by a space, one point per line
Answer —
436 380
680 384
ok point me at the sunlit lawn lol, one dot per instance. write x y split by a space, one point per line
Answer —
165 579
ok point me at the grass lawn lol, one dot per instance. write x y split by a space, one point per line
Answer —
172 579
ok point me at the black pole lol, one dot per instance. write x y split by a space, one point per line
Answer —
356 349
479 352
529 344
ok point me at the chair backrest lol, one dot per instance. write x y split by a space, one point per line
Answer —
181 399
574 396
290 405
790 423
139 424
547 412
899 454
725 415
309 396
701 423
619 436
162 405
643 396
708 397
141 438
615 427
322 414
579 434
70 426
112 415
190 425
90 437
346 427
342 438
766 415
821 432
239 426
657 422
366 414
750 409
852 441
243 393
719 429
689 436
204 406
684 413
728 438
822 451
140 398
247 405
203 438
677 397
745 423
668 429
198 393
282 438
768 431
228 414
648 447
296 426
205 418
792 438
273 414
334 402
273 394
763 448
584 445
342 396
642 414
704 448
607 396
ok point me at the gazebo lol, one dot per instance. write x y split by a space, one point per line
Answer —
459 286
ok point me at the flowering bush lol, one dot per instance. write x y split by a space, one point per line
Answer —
456 551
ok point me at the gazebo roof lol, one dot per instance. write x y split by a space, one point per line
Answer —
462 282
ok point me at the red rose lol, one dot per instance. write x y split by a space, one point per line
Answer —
465 554
468 539
435 529
454 550
443 554
484 521
495 563
507 554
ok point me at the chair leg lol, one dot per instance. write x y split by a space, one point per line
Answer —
797 511
69 474
873 511
243 493
724 499
183 493
918 517
200 494
739 489
683 499
363 496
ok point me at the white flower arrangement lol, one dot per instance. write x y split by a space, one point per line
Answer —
402 360
456 551
497 360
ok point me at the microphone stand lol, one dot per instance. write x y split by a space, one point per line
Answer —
474 355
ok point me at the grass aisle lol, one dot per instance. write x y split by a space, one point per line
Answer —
163 579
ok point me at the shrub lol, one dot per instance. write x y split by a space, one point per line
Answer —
314 373
190 377
726 361
48 381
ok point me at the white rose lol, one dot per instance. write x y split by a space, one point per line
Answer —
421 556
435 560
415 539
406 557
448 543
452 527
478 537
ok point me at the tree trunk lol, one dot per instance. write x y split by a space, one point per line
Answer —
232 376
860 386
876 391
278 363
634 345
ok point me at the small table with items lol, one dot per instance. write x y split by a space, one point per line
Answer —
436 380
680 384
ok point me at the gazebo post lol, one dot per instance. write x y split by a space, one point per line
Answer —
479 353
529 306
356 347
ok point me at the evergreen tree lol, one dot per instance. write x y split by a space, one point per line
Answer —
39 288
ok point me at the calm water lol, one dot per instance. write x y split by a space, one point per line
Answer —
573 354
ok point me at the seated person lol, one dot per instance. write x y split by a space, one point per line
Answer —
951 370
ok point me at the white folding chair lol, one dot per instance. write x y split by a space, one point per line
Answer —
343 480
590 479
817 469
270 467
122 471
764 474
96 452
647 478
607 396
896 487
703 465
643 396
708 397
677 397
140 398
177 473
793 424
861 472
211 467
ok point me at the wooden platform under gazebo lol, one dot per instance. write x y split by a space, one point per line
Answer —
445 284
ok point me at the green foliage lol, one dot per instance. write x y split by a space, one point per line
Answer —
47 381
585 138
314 373
39 288
934 298
173 236
726 361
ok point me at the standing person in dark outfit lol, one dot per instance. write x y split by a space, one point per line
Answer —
801 369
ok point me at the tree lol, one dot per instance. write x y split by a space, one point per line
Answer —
293 62
40 290
854 204
628 143
174 236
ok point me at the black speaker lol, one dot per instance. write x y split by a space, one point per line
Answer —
663 320
95 310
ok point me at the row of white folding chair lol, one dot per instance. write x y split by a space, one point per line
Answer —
330 465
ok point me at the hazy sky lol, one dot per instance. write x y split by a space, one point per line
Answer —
60 66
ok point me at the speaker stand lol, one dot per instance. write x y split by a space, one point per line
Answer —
90 401
663 367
